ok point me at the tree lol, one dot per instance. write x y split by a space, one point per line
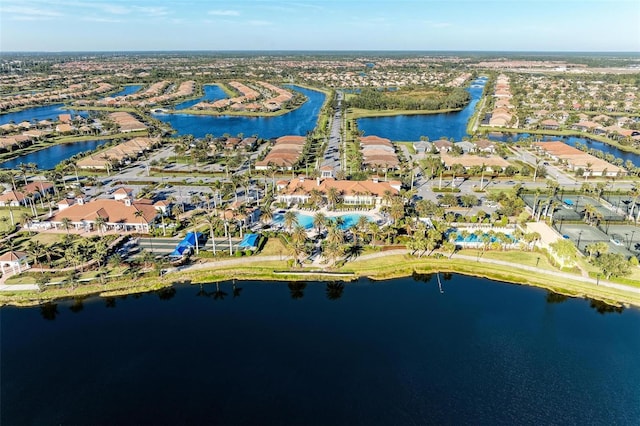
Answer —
193 222
565 251
66 223
469 200
140 214
596 249
213 221
100 222
333 196
290 220
319 221
613 264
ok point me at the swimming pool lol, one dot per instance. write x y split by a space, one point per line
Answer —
306 221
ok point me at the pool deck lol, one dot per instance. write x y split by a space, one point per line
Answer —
373 213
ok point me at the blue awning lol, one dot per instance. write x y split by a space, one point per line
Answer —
249 241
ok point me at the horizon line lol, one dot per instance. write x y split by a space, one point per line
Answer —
342 51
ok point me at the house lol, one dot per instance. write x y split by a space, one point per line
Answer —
443 145
39 187
491 163
64 128
485 146
64 118
466 147
576 159
326 172
125 215
122 193
13 262
371 192
13 199
284 154
550 124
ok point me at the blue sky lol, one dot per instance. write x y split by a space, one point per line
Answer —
502 25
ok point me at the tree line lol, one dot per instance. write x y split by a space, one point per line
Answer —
375 99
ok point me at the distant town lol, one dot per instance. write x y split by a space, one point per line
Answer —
123 173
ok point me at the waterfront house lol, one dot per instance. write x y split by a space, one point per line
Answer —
576 159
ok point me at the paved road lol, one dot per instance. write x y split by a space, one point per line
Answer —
331 156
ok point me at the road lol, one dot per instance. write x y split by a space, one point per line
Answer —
331 156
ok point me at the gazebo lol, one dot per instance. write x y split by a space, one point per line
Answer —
13 262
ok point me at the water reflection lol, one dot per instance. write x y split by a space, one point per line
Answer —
334 290
604 308
218 293
167 293
297 289
77 306
49 311
556 297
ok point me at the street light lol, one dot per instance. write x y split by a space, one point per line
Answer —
631 241
579 236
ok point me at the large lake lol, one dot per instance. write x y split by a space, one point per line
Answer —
127 90
48 158
434 126
394 352
297 122
212 92
47 112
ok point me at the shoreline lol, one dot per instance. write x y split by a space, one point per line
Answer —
561 134
269 268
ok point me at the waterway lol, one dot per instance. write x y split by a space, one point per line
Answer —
212 93
128 90
434 126
573 141
48 158
394 352
47 112
297 122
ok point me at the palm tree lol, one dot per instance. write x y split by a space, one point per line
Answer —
315 197
333 196
37 250
140 214
290 220
66 223
213 221
374 231
266 215
228 233
333 250
100 223
193 222
299 235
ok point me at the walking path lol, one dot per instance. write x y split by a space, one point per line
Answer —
582 278
258 259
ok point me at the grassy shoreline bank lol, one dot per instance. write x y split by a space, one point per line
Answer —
375 269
